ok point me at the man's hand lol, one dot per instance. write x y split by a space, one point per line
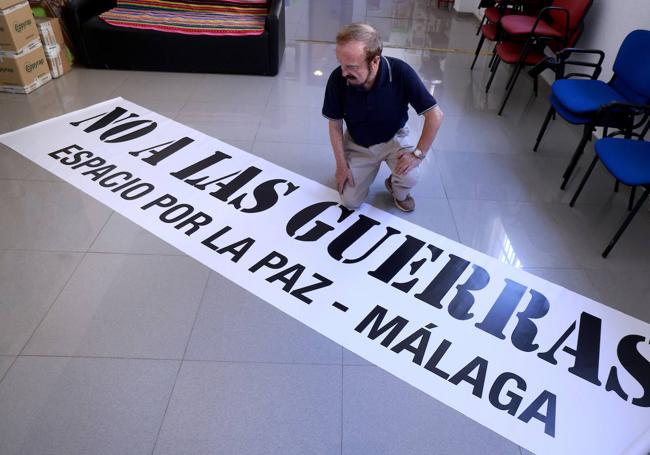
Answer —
406 162
343 175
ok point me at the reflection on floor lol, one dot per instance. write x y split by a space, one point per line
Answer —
113 342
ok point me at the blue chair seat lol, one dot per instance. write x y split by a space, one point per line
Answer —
628 161
581 96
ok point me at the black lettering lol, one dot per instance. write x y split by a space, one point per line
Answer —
158 155
171 215
587 352
463 301
163 201
106 182
65 150
273 260
105 120
421 336
100 171
512 405
92 162
443 281
376 316
300 219
76 158
237 249
132 193
477 382
321 283
105 136
208 242
636 365
265 196
200 165
525 331
502 310
547 419
432 363
289 276
195 222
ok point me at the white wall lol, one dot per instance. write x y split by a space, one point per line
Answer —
607 24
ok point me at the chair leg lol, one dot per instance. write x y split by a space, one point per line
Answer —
625 224
586 135
513 79
549 114
478 49
478 30
584 180
492 60
494 71
630 203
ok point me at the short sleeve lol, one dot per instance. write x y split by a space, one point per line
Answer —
417 94
333 102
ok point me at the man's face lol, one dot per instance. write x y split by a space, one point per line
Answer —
353 63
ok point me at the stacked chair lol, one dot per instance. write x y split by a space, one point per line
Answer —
523 39
629 162
619 103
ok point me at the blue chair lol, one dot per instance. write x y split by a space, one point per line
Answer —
594 103
629 162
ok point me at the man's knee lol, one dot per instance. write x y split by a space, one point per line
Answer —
351 199
407 180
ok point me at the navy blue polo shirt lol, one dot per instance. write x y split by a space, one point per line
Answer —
374 116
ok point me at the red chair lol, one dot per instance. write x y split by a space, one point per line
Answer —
494 11
524 38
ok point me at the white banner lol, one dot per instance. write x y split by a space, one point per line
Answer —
551 370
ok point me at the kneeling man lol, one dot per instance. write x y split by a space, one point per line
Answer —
372 94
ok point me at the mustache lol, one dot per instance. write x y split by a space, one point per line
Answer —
350 77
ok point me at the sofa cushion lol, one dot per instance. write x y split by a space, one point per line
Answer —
189 18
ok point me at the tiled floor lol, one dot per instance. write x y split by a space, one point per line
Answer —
91 363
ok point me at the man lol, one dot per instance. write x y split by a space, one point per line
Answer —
372 93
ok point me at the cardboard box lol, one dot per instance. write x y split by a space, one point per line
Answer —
23 72
17 27
56 51
4 4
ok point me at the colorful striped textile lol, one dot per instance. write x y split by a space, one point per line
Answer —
223 18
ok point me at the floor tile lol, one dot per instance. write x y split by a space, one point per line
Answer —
121 235
145 87
5 363
294 124
124 306
14 166
52 406
627 291
576 280
225 122
519 234
48 216
233 89
30 281
235 325
253 409
384 415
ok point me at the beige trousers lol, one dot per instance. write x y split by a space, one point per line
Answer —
364 163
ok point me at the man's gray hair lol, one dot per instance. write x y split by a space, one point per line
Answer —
362 33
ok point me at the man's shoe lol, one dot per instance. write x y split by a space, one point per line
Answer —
406 205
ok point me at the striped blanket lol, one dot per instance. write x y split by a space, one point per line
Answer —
198 17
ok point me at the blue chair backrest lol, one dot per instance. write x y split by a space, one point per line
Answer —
632 67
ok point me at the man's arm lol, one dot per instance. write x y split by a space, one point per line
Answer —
343 173
432 121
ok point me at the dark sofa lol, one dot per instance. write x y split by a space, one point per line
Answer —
100 45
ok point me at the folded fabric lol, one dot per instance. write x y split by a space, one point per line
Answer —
188 18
